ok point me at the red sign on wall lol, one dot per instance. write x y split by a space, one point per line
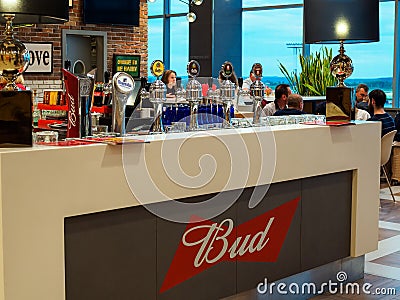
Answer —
205 243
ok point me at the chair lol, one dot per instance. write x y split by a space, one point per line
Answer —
386 149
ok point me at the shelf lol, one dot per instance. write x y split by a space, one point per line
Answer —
102 109
42 106
44 124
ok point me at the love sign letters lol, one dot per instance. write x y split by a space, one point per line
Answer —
41 57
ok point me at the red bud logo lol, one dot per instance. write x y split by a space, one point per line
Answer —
205 243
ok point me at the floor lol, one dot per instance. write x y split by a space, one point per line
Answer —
382 267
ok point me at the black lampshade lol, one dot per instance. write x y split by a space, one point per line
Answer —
36 11
322 18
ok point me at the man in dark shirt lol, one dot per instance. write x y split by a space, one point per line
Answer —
294 106
377 101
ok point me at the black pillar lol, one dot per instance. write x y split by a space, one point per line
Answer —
216 36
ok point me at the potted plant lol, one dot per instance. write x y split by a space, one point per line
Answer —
314 76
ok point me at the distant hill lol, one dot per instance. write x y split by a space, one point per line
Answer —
374 83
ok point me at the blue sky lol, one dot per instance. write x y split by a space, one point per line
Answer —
370 60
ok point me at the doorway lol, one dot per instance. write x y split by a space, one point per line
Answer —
85 52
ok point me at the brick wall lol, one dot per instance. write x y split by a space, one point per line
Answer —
120 39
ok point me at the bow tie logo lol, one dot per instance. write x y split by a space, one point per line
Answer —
205 243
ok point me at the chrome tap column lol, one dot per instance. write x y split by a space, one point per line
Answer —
123 85
193 93
257 93
158 92
241 93
227 92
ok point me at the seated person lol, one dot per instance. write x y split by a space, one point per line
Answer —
248 81
362 100
169 78
361 114
282 92
232 78
397 124
378 100
294 106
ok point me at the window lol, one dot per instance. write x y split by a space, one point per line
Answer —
258 3
169 17
269 46
373 62
269 40
155 39
179 45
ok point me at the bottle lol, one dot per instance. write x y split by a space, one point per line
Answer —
35 110
107 89
98 94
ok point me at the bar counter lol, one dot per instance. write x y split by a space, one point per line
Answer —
43 188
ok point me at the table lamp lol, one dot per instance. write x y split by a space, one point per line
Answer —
16 107
340 21
14 57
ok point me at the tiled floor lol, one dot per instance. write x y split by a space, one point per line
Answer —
382 267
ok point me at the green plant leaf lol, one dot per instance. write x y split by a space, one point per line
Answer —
314 76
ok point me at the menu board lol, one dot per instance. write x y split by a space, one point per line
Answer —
127 63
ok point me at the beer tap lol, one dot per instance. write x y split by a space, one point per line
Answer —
158 92
241 93
123 85
257 93
193 93
227 90
180 91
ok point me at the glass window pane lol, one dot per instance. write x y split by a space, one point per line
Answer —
155 46
269 46
179 7
373 62
256 3
179 45
155 8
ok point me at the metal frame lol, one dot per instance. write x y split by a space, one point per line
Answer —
166 16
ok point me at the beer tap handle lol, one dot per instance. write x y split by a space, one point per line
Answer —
240 82
210 82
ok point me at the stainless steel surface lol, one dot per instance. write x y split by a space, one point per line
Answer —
257 94
158 92
341 66
14 57
227 96
123 85
193 96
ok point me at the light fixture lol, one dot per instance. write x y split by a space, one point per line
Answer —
190 16
14 57
341 21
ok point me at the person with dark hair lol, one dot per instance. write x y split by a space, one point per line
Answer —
294 106
377 101
248 81
282 92
169 78
232 78
362 100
